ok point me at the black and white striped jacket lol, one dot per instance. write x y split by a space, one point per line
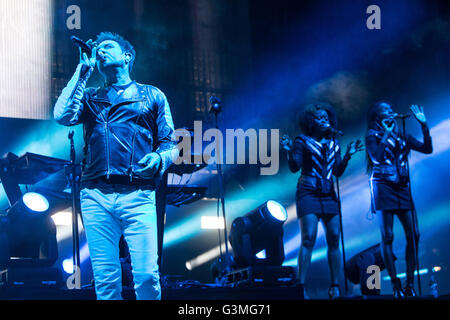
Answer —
318 162
389 159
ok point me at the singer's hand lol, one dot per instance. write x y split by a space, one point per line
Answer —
150 164
286 142
418 113
388 125
354 147
89 61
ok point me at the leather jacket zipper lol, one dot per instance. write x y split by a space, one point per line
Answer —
141 109
107 148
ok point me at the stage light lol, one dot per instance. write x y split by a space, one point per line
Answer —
35 202
84 255
67 265
436 269
357 266
257 237
261 254
29 232
277 210
29 206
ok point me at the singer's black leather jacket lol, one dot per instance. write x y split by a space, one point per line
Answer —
118 129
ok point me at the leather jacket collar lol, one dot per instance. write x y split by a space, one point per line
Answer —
133 93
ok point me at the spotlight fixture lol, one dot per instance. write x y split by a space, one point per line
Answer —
257 237
29 233
357 268
35 202
31 204
28 244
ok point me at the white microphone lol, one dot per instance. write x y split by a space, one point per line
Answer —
335 131
400 116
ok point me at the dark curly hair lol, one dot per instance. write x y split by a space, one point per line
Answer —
123 43
306 116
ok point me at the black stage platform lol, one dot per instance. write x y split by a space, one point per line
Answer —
262 293
189 293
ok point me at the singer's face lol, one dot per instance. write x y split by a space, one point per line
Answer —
321 120
385 111
109 53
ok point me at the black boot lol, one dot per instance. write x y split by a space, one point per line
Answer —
397 288
409 290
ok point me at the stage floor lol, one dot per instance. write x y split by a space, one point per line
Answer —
262 293
188 293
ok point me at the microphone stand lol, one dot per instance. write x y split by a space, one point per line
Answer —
413 211
341 224
75 234
216 109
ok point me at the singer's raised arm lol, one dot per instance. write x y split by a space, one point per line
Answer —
69 107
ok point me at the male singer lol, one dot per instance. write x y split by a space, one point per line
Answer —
129 143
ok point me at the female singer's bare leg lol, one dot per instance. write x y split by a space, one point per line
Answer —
331 224
386 219
406 219
308 228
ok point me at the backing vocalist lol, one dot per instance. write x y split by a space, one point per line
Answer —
318 155
387 152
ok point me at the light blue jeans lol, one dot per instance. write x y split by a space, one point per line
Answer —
108 212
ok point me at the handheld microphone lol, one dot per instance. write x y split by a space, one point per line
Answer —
335 131
83 45
400 116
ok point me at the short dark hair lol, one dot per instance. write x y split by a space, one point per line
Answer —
123 43
306 117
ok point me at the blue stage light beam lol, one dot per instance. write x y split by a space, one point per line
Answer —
237 204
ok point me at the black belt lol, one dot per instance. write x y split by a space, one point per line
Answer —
118 182
319 184
390 174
